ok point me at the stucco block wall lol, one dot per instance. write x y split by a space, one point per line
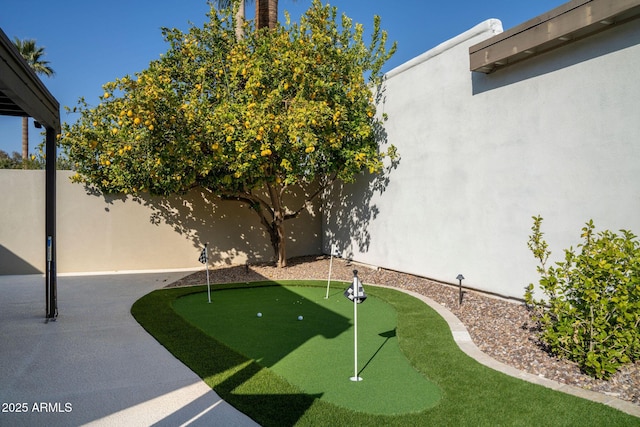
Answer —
98 233
556 135
22 222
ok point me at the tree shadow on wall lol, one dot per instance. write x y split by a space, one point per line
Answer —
233 232
348 206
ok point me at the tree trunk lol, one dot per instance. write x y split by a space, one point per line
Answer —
282 252
266 13
277 225
240 17
25 141
278 243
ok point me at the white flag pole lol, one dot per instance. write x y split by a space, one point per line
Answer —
356 288
330 265
207 267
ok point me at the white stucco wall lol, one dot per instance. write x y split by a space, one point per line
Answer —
22 222
556 135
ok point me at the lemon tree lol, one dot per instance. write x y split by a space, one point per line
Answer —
246 118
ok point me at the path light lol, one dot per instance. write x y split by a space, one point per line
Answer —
460 278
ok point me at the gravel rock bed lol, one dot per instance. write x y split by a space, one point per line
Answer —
500 328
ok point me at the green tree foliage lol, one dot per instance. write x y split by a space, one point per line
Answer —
591 314
10 161
244 118
34 161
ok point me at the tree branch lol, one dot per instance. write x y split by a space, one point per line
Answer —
256 203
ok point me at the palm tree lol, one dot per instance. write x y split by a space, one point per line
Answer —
33 55
240 14
266 13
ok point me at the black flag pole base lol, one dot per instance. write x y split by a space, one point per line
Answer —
355 378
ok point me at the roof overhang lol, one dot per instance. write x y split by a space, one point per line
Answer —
21 91
23 94
572 21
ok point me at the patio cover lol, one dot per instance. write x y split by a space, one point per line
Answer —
22 94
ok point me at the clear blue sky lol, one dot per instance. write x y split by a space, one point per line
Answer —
91 42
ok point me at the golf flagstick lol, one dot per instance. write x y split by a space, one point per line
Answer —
356 295
208 283
333 250
204 258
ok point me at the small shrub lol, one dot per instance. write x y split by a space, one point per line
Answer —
591 313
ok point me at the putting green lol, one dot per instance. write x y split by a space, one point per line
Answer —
317 353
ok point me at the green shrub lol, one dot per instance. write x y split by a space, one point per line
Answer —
591 313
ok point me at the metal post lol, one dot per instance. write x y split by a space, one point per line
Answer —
51 282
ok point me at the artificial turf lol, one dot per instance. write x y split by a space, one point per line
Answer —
471 394
316 354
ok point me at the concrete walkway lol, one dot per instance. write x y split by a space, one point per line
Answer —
95 365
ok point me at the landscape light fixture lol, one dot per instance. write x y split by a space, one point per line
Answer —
460 278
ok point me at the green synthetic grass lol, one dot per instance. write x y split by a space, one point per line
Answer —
317 353
471 394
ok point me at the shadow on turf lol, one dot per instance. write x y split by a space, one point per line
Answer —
386 335
282 409
277 334
229 373
287 408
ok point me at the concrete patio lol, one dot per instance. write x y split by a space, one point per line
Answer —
95 365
